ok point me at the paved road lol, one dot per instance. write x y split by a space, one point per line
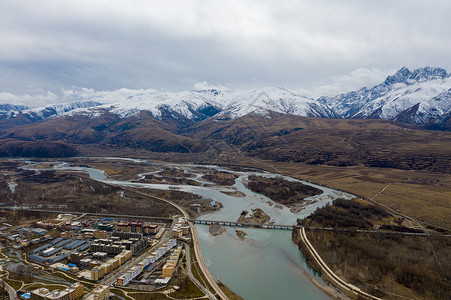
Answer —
194 279
201 262
12 292
85 213
371 231
338 281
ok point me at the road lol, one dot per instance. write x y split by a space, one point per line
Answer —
325 268
372 231
112 278
86 213
194 279
201 262
413 222
12 293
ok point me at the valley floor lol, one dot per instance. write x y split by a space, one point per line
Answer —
421 195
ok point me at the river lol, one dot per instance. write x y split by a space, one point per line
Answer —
267 265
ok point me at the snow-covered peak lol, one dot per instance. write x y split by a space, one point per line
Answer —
11 109
281 100
186 103
204 103
405 90
404 75
55 110
399 99
405 95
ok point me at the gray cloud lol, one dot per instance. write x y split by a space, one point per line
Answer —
316 45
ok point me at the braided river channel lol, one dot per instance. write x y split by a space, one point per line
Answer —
266 265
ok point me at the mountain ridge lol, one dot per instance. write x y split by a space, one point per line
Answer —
414 97
397 96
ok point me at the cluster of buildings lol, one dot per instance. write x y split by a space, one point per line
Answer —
118 242
98 269
59 248
110 265
171 263
101 292
93 248
75 291
137 226
121 240
151 258
25 236
180 228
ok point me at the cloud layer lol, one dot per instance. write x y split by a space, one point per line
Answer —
50 45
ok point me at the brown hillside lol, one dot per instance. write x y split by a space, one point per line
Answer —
376 143
337 142
15 148
141 131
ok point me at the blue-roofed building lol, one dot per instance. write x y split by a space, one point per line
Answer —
38 230
69 245
62 243
83 247
58 258
25 296
50 252
57 240
74 244
38 258
39 249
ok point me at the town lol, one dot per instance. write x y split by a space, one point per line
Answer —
105 251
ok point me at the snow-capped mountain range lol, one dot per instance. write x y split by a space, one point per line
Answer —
414 97
194 104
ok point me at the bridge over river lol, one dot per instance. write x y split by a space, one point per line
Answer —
240 224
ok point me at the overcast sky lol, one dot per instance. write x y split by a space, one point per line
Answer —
314 47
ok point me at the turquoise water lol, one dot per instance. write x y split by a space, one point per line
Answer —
265 266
